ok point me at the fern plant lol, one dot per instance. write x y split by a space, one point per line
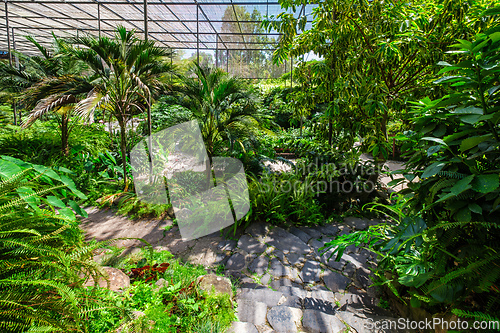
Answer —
42 255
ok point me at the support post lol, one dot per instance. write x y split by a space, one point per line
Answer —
197 33
146 20
227 60
216 51
99 18
8 32
291 71
14 47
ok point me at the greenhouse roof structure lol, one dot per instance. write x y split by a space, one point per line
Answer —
214 25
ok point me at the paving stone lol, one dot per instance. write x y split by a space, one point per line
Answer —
350 258
305 237
345 231
221 259
316 244
319 322
241 327
335 281
251 245
265 329
258 229
284 319
292 291
276 284
356 223
277 269
295 259
265 295
259 265
227 245
364 277
286 242
317 304
265 279
325 295
293 302
328 229
311 232
349 269
329 260
279 254
252 312
310 272
236 262
252 285
355 300
294 275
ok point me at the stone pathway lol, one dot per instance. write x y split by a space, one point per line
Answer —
286 285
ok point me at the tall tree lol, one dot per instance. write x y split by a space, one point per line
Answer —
389 47
131 72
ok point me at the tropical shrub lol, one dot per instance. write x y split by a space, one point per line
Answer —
444 247
42 254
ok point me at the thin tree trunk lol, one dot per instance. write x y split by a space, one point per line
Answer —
330 131
64 135
301 122
15 113
123 148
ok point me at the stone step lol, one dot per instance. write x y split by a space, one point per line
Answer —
269 297
242 327
252 311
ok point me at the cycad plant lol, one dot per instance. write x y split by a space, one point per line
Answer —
51 84
42 255
225 107
131 72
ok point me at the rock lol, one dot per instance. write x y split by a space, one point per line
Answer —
276 284
257 230
311 232
265 279
259 265
293 302
227 245
305 237
251 245
287 242
241 327
335 281
330 261
324 295
294 258
292 291
277 269
252 311
310 272
284 319
318 322
366 323
356 223
363 277
116 278
236 262
328 229
217 284
161 283
265 295
352 260
319 305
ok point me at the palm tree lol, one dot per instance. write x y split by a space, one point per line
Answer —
225 108
131 72
50 83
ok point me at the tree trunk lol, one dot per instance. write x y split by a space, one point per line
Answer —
64 135
15 113
330 132
123 148
301 122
